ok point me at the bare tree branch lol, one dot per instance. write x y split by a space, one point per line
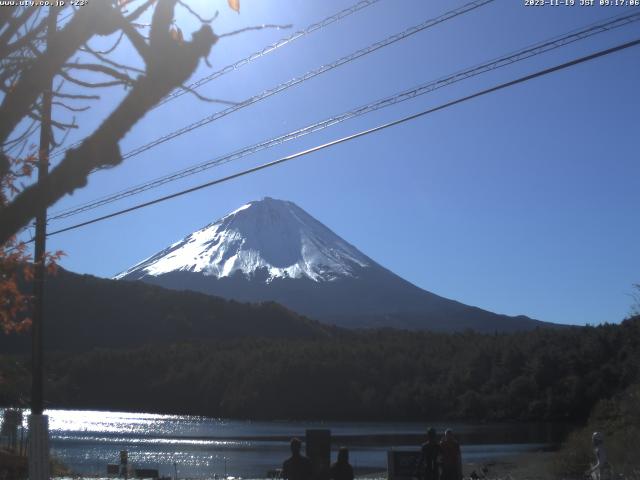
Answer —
66 133
101 149
96 18
63 125
69 107
108 50
30 36
92 84
207 99
5 15
195 14
14 25
136 39
76 96
93 67
28 130
160 23
35 115
106 60
140 10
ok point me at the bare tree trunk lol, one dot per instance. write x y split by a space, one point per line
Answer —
169 63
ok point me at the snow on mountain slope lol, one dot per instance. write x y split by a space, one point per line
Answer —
272 250
269 235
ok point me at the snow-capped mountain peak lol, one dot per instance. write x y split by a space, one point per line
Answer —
269 236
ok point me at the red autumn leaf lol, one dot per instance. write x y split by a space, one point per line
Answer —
28 274
23 326
52 268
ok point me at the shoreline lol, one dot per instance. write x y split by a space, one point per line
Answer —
523 466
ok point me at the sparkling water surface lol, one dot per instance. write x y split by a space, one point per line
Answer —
201 447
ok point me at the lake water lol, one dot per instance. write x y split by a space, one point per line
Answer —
86 441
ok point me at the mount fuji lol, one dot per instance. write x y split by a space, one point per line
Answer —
272 250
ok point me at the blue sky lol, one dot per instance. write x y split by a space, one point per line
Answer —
521 202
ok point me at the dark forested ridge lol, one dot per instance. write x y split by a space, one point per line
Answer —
545 374
84 312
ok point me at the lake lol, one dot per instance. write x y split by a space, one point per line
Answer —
86 441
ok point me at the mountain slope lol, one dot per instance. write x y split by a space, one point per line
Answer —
273 236
84 312
274 250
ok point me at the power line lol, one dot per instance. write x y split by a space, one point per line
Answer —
270 48
255 55
408 118
425 88
307 76
519 55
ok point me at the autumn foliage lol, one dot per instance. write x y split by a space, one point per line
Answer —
16 265
38 50
13 264
14 259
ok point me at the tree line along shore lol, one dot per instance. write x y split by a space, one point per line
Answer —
587 376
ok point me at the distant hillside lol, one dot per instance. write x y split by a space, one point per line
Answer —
541 375
376 299
84 312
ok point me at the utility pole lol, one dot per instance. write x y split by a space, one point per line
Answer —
38 450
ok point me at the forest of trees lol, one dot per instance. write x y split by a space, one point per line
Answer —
82 314
618 418
547 374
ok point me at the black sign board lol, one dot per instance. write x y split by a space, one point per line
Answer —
146 473
403 464
318 449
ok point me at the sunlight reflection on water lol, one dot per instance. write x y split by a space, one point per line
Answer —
200 447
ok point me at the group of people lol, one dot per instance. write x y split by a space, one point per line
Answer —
298 467
439 461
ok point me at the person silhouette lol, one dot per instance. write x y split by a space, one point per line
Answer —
341 469
429 465
297 466
601 470
451 457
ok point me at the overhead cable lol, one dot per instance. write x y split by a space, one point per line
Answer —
378 128
255 55
307 76
519 55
